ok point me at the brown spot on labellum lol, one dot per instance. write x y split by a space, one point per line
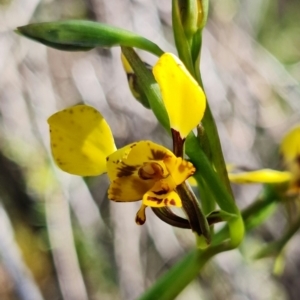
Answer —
126 170
154 199
157 154
139 220
161 192
114 192
172 202
182 166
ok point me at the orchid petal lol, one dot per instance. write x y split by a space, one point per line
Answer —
80 140
184 99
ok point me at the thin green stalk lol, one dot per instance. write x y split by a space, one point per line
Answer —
268 198
182 44
175 280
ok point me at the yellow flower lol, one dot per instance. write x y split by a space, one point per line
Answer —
82 144
147 171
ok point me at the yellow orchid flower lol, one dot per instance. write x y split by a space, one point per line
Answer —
147 171
82 144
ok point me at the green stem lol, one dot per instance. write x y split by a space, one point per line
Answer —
175 280
268 197
182 44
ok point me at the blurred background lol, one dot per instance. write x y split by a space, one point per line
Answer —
60 238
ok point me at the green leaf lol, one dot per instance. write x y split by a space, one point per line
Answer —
80 35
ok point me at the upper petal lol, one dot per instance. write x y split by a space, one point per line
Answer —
80 140
184 99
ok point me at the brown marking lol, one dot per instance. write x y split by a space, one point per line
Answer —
182 167
107 158
172 202
139 220
54 145
115 191
157 200
71 111
157 154
126 170
166 201
161 192
133 145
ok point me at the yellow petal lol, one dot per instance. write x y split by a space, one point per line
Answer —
127 189
290 145
260 176
140 218
126 65
80 140
161 195
129 159
179 168
184 99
